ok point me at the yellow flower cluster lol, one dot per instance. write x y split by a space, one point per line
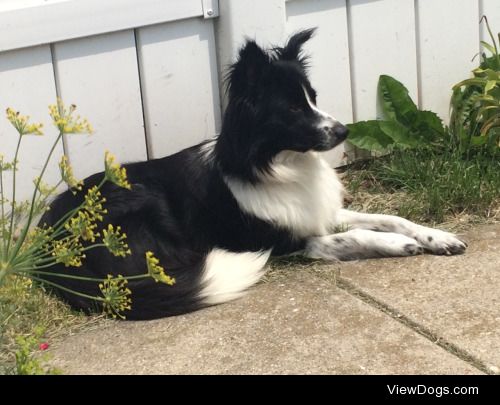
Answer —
21 123
39 236
82 226
115 241
156 271
114 172
116 296
69 252
64 120
67 174
93 203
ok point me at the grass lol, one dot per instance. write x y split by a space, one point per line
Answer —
26 308
428 186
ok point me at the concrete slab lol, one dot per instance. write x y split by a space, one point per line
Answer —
456 297
298 324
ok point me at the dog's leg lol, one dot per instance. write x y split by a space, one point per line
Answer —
361 244
432 240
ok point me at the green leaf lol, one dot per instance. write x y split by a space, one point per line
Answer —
492 74
478 140
428 125
368 135
470 82
490 84
486 98
396 101
496 93
491 123
399 133
488 47
485 109
478 71
491 62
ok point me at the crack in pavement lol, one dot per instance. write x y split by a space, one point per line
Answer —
434 338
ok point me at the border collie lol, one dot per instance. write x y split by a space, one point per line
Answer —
215 212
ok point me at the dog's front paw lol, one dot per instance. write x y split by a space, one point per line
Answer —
439 242
394 244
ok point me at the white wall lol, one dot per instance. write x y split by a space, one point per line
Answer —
147 73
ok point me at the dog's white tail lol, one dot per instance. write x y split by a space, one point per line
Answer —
227 275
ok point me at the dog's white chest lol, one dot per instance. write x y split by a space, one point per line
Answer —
302 193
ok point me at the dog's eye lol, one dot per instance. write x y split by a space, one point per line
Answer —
295 108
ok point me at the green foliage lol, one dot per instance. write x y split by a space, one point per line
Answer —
25 308
475 105
368 135
475 114
404 126
28 362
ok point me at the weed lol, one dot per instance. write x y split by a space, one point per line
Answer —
25 309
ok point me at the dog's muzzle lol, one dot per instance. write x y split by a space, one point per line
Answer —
333 135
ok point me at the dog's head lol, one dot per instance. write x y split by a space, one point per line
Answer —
271 95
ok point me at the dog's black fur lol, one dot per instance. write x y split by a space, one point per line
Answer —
179 206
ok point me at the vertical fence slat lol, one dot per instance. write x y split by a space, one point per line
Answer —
27 85
449 39
100 75
329 51
179 84
382 38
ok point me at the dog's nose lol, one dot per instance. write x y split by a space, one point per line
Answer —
334 133
340 131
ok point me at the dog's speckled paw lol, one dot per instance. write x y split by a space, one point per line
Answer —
440 243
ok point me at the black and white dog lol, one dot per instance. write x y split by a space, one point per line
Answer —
215 212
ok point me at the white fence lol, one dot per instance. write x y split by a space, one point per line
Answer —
147 72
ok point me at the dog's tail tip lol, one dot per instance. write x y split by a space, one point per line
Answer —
227 275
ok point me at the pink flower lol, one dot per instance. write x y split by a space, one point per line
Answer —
43 346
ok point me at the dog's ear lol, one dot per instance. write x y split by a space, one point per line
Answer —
246 73
293 48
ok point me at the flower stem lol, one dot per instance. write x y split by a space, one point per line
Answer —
48 273
60 223
41 200
2 219
46 257
20 242
92 297
13 202
93 246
